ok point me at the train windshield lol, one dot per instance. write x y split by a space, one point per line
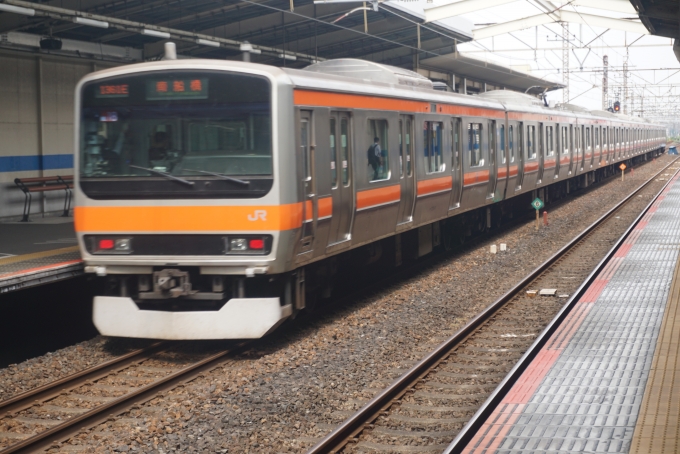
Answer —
176 134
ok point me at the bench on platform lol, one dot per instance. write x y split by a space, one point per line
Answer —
45 184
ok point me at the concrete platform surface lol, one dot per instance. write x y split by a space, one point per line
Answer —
584 390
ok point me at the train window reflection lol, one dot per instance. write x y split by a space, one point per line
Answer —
408 136
432 135
531 142
549 142
511 146
475 144
503 160
334 155
344 150
378 150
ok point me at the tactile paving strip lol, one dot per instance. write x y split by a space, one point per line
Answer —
583 391
15 270
658 426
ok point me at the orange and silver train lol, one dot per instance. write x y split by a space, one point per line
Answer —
218 198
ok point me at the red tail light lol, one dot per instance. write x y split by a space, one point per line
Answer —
106 244
256 244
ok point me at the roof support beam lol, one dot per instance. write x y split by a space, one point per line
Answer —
619 6
565 16
138 27
511 26
604 22
462 7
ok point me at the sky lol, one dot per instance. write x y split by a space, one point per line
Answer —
654 71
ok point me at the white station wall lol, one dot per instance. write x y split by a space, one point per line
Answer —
36 124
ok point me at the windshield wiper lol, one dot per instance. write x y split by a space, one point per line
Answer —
164 174
221 175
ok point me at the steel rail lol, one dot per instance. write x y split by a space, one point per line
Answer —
53 389
355 424
101 413
470 429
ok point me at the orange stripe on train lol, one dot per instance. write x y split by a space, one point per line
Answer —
378 196
188 218
325 208
435 185
326 99
481 176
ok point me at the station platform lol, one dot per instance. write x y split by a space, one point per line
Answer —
37 252
608 379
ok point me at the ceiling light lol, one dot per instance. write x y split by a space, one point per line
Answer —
90 22
155 33
288 57
17 10
207 42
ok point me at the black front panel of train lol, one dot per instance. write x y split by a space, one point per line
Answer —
176 134
178 245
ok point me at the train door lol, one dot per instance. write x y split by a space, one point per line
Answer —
309 210
456 165
571 149
502 160
558 149
520 156
588 155
407 175
541 154
342 198
493 171
577 149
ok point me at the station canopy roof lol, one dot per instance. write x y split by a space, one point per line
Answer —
292 33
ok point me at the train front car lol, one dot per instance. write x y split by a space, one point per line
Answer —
181 204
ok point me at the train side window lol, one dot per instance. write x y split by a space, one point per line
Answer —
401 149
531 142
549 141
408 135
475 144
588 138
432 136
304 141
378 151
565 141
455 136
597 137
334 154
616 137
502 143
344 150
520 141
511 140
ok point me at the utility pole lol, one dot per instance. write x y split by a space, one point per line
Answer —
605 82
565 62
625 87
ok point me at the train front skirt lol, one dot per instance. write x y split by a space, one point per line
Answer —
240 318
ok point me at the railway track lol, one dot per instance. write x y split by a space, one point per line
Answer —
444 395
36 419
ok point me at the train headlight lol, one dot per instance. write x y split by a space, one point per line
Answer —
238 244
123 245
248 245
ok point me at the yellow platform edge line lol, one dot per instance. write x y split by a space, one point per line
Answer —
37 255
656 429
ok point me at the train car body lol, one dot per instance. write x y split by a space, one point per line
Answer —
207 191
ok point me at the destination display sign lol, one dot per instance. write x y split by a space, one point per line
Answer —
112 91
172 88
